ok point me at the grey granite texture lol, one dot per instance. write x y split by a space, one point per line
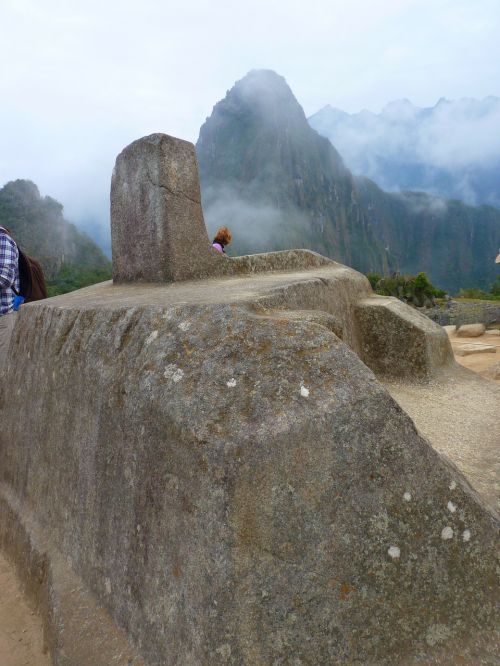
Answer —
235 485
157 225
398 341
199 472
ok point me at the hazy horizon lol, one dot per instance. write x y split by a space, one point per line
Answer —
83 80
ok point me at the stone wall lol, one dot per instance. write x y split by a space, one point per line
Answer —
464 312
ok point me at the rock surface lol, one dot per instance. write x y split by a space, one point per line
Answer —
213 463
395 340
157 225
470 330
234 485
474 348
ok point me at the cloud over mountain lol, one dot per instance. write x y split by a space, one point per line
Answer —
451 149
279 184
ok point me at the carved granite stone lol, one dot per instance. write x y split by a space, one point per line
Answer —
215 464
157 227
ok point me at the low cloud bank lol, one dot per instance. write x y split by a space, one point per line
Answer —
257 226
452 149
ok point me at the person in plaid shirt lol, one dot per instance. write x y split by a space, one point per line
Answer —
9 279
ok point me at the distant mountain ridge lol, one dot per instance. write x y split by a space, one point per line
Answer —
451 149
263 170
278 184
38 225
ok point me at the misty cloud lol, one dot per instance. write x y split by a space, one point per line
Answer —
420 204
451 149
256 225
460 134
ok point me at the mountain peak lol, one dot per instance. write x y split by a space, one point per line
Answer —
400 108
264 91
442 101
329 112
263 77
259 81
259 104
22 188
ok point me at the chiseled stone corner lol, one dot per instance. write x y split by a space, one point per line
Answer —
395 340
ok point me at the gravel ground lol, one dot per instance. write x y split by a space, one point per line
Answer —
21 642
459 412
477 362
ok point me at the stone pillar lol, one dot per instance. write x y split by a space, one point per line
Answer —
158 233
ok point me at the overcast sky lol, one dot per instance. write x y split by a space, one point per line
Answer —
80 79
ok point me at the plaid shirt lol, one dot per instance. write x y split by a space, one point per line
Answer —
9 271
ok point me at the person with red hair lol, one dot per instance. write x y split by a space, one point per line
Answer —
222 238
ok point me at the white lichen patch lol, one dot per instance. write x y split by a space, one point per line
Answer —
304 391
446 533
453 485
451 507
151 337
185 325
407 497
466 535
231 383
173 372
107 585
394 552
437 633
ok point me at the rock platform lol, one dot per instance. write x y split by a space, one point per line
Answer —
225 471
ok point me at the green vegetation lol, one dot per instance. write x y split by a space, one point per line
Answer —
419 291
479 294
71 277
70 259
414 289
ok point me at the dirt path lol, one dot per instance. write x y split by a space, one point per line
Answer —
458 411
21 642
477 362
